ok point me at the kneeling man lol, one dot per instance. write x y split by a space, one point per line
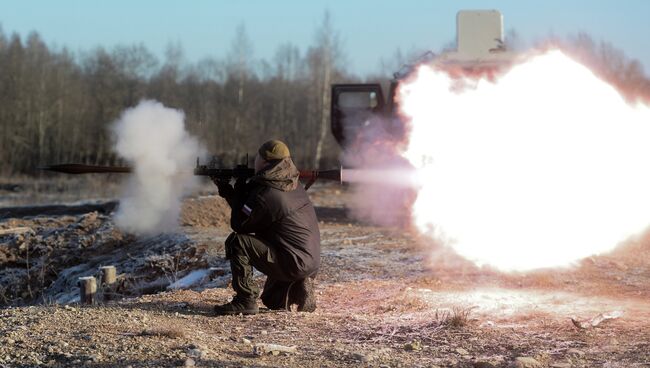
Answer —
275 231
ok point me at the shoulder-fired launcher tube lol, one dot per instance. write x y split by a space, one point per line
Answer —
242 171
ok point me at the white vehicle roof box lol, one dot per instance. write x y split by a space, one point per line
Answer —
479 39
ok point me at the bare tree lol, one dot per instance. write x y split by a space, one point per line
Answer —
323 59
611 64
239 68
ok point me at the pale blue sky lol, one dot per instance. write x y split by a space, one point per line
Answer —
369 29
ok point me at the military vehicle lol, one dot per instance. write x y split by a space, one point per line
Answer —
480 52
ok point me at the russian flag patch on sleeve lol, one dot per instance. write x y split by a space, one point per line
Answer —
247 210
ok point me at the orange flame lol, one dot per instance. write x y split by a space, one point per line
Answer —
543 166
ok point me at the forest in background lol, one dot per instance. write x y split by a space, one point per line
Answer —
56 105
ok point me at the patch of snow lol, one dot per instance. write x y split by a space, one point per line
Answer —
191 279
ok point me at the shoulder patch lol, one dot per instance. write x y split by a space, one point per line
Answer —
247 210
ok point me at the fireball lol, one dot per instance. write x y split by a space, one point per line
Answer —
540 167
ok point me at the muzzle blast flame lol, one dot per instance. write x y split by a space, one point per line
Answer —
540 168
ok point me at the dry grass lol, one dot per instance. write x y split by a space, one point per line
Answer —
455 317
400 302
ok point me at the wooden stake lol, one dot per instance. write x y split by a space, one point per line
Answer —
109 276
87 289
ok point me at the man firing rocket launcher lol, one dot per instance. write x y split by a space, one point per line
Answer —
274 225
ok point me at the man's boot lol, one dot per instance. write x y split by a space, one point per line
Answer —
236 306
302 293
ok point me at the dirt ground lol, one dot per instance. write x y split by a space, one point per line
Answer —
386 298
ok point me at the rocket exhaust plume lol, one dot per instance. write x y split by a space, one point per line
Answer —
153 139
384 191
387 178
544 166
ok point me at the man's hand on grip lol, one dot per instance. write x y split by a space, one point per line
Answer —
225 189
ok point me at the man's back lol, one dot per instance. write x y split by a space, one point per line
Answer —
293 229
278 211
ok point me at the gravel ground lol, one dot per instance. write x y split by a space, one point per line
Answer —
386 298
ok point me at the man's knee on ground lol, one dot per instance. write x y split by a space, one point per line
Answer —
275 292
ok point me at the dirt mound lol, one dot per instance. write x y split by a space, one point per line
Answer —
208 211
42 258
42 253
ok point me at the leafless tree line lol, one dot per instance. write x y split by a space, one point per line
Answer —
610 63
55 106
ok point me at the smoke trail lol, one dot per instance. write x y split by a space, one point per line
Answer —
153 139
383 190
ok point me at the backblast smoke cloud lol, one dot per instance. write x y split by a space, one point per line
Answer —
153 139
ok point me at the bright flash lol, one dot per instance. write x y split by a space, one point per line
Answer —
543 167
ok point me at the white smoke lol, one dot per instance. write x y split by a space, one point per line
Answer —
381 178
153 139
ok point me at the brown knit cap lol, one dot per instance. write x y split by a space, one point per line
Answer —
274 150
